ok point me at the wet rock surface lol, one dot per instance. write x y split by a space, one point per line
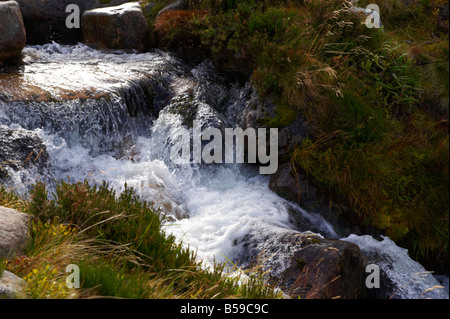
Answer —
255 110
45 21
10 285
22 150
396 275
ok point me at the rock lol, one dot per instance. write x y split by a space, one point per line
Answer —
149 7
443 17
182 42
322 268
10 285
119 27
256 110
186 109
21 149
45 21
306 265
288 184
399 276
12 31
176 5
13 231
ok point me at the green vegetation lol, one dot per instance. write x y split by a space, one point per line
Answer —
377 104
376 100
120 247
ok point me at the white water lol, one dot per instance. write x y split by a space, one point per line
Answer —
210 207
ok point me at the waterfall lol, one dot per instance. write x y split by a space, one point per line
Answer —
114 116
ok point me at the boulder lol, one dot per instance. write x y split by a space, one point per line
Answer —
296 187
442 18
45 20
13 231
257 110
21 149
306 265
176 5
12 31
119 27
10 285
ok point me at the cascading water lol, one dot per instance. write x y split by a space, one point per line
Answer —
114 116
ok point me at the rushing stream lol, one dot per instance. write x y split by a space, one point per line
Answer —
91 109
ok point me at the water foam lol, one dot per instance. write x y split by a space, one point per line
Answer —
211 207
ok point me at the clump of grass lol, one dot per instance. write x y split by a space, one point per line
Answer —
46 283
